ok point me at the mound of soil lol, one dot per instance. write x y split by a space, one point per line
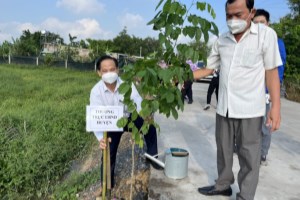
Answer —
123 170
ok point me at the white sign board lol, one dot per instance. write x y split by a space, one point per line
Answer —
103 118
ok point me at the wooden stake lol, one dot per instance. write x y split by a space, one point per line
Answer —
104 164
108 174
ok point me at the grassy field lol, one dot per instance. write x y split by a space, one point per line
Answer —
42 127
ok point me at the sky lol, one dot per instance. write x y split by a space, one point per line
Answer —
101 19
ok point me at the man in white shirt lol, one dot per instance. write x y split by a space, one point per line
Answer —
247 57
105 93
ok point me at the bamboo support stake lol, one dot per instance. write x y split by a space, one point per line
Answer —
132 169
104 164
108 174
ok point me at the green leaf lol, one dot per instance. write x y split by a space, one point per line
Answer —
195 57
175 34
169 29
191 32
155 105
206 36
215 30
198 35
144 103
134 115
153 73
184 31
165 75
145 129
161 22
174 7
141 143
136 134
159 4
131 107
124 87
201 6
183 10
146 112
174 113
130 125
213 14
141 74
167 6
170 97
161 38
121 123
211 11
181 48
155 19
208 7
189 52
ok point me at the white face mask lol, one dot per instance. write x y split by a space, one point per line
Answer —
237 25
110 77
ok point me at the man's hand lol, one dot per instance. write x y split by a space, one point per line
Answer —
273 119
103 143
273 85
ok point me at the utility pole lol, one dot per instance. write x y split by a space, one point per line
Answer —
140 51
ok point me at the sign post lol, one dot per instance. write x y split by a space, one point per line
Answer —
103 119
104 164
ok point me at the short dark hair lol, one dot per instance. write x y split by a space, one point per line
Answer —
249 3
106 57
262 12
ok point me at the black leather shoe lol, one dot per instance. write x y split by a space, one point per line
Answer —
211 191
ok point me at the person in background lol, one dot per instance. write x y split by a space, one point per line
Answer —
106 93
213 86
187 90
248 57
263 17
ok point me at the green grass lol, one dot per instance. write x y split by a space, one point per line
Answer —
292 85
75 183
42 127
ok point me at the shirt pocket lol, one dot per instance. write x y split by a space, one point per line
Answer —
250 57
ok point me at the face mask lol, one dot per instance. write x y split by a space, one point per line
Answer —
110 77
237 25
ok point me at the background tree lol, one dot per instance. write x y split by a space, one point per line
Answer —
100 47
83 44
202 47
150 45
5 48
288 28
295 7
123 42
31 44
27 45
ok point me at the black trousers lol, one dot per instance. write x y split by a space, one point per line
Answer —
213 86
187 90
150 138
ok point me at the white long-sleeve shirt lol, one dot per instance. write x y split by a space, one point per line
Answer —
242 70
102 96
